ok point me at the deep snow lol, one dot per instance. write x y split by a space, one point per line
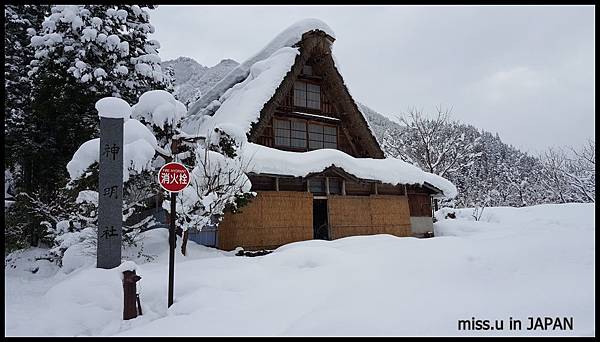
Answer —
514 262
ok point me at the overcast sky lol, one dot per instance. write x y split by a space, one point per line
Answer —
525 72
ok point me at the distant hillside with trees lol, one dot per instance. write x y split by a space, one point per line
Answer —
486 171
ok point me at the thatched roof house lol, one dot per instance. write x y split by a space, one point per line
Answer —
316 165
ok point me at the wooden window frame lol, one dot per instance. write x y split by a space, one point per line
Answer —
305 92
307 70
307 124
290 129
323 134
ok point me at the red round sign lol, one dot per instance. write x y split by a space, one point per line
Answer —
173 177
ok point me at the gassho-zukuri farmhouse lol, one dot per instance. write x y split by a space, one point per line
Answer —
317 168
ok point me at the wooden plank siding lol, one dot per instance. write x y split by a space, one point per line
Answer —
376 214
420 205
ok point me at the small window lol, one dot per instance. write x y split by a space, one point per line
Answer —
320 136
298 134
300 94
307 70
335 186
313 96
317 185
290 133
315 136
307 95
282 132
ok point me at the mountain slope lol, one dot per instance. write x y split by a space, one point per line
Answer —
192 79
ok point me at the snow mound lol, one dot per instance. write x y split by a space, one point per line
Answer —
548 216
87 196
139 146
86 155
159 108
139 143
134 130
112 107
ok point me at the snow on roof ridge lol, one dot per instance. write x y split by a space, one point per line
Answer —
287 38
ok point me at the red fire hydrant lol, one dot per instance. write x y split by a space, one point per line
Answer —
130 299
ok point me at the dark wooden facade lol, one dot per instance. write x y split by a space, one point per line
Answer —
336 107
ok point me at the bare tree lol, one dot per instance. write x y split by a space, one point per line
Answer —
570 178
478 212
218 184
434 144
580 171
428 132
553 178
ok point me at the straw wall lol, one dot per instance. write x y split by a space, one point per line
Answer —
272 219
361 215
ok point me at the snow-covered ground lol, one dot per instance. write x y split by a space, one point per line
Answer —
533 261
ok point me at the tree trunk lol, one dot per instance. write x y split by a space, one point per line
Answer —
184 242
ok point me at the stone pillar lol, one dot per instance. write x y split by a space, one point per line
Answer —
110 193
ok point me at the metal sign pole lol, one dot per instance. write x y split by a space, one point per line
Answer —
173 177
172 243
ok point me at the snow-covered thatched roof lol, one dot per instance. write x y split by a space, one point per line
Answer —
238 98
234 106
299 164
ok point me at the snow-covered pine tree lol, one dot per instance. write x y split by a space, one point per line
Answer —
19 21
82 53
105 47
21 220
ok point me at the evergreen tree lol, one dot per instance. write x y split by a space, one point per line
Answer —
80 54
20 22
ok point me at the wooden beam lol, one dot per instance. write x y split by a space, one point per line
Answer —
347 135
276 183
343 187
327 185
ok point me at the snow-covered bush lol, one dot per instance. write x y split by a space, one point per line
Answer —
218 184
151 139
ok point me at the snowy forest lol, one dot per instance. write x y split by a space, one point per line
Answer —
60 60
